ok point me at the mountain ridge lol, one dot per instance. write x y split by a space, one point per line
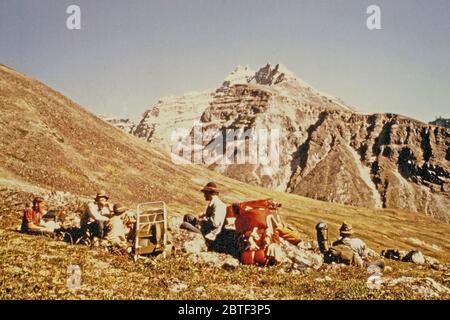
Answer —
407 159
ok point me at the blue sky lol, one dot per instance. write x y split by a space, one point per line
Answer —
130 53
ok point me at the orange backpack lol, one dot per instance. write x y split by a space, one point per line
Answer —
253 221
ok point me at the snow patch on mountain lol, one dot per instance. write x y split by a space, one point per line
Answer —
364 173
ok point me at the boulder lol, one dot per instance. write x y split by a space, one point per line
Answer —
188 242
215 259
300 257
195 245
415 256
426 287
177 286
230 263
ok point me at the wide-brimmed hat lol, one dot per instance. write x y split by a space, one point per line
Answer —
210 187
101 194
119 209
346 229
38 199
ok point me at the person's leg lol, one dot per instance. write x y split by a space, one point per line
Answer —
191 219
187 226
83 229
102 227
289 235
97 228
190 223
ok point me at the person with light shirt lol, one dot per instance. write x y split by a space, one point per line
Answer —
97 215
210 223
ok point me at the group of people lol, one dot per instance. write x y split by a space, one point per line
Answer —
99 221
104 221
347 249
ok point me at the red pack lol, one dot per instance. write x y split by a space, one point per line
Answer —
252 220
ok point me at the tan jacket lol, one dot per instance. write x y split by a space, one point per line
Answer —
357 245
93 213
117 232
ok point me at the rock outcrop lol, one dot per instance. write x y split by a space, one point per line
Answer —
126 125
171 113
442 122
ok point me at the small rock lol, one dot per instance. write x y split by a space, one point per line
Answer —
230 263
178 287
437 266
305 245
326 278
417 257
200 289
214 259
301 257
426 287
196 245
431 261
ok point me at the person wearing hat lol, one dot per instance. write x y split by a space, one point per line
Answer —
97 215
32 216
116 233
357 245
211 222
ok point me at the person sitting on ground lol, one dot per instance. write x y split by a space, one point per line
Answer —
357 246
116 233
211 222
129 222
32 220
96 216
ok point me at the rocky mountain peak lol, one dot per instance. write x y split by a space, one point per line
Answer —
269 75
441 122
240 75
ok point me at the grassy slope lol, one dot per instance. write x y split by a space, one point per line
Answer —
36 268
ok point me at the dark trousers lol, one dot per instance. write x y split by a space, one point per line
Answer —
96 229
227 241
191 223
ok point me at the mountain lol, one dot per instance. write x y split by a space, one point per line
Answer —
158 123
442 122
328 151
126 125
